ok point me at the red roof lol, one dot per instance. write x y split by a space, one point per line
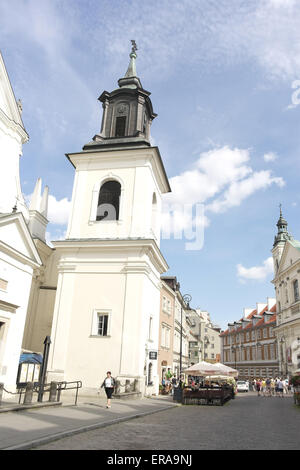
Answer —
250 316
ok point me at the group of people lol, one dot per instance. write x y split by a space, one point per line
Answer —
271 387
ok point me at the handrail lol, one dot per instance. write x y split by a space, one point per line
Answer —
64 386
60 386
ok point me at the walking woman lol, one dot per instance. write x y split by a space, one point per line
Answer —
108 384
258 387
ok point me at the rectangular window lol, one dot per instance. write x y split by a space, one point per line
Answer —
120 126
102 324
272 351
296 290
258 334
265 333
271 332
266 353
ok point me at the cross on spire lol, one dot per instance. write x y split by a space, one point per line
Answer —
133 46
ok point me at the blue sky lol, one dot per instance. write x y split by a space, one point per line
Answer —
223 76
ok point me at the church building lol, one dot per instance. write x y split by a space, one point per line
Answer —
286 258
22 234
99 297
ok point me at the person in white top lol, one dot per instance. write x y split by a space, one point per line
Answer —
108 384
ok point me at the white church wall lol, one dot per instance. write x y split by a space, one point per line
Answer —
18 277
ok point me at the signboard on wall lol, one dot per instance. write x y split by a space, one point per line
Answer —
153 355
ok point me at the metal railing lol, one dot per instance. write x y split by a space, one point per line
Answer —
54 389
68 386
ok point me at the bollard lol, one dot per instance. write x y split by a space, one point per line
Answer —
28 393
127 386
53 391
118 387
1 391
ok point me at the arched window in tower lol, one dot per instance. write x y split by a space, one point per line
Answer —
109 201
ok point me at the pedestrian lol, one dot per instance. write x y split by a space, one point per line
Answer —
280 388
285 386
268 385
258 386
276 386
273 387
108 384
174 384
263 387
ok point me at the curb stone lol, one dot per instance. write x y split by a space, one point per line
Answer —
71 432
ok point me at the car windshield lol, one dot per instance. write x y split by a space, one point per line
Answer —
241 383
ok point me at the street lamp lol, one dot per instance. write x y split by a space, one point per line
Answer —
282 341
186 298
233 349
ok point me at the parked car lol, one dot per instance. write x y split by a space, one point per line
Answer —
242 386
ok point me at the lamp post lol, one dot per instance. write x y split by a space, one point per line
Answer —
281 341
43 370
186 298
233 349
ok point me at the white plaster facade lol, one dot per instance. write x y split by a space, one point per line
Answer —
112 267
286 282
20 261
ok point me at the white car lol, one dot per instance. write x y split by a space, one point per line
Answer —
242 386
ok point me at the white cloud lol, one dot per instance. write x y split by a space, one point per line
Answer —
255 273
281 3
270 157
220 179
58 210
240 190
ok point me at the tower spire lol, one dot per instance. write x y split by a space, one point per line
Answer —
282 233
130 79
131 71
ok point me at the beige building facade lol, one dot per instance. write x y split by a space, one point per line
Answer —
286 256
166 331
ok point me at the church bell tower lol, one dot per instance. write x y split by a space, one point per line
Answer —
120 177
106 314
127 112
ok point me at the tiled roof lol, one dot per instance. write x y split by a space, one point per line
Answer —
260 322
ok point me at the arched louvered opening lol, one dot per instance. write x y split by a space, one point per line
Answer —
109 201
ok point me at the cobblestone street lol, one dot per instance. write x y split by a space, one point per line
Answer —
248 422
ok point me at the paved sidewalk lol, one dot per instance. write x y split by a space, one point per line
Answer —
28 428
